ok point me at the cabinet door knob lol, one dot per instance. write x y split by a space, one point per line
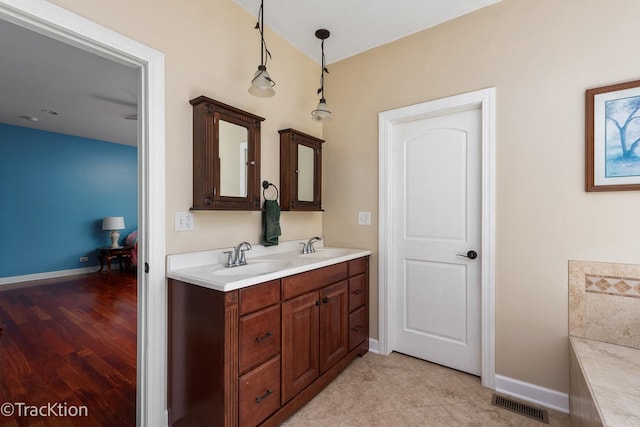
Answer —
325 300
318 303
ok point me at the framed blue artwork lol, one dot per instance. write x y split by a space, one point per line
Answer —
613 137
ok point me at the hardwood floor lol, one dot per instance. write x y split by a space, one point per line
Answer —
68 351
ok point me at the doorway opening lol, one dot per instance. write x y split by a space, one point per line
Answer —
388 120
55 22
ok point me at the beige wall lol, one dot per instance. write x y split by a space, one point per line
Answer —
212 49
541 56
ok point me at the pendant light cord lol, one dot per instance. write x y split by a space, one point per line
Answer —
324 70
263 44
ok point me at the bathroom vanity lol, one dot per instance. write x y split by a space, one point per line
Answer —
251 345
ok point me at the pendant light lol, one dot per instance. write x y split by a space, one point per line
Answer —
322 110
261 84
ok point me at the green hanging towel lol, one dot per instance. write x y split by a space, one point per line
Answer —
270 223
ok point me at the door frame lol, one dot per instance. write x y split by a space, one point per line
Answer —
58 23
485 100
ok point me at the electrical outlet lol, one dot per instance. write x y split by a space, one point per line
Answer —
364 218
184 221
84 258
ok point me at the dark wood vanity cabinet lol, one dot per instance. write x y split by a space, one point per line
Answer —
256 355
300 171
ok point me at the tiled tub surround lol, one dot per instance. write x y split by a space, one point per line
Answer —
604 302
611 374
604 329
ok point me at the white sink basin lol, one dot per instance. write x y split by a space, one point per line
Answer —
326 253
253 268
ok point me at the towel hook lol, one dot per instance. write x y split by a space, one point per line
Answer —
265 185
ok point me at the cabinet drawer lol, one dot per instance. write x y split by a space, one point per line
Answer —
357 292
302 283
259 393
357 328
259 336
357 266
259 296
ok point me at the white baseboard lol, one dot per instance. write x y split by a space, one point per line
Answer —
48 275
373 346
533 393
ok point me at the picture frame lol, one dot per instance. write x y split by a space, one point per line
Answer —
613 137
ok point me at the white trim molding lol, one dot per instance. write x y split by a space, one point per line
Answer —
53 21
373 346
49 275
485 99
533 393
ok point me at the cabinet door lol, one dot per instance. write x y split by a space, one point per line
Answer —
300 171
299 343
226 156
334 333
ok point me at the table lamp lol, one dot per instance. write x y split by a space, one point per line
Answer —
113 224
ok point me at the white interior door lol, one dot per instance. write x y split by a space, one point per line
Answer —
436 183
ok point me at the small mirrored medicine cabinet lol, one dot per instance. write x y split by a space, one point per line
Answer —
300 171
226 157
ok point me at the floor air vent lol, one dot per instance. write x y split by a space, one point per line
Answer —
521 408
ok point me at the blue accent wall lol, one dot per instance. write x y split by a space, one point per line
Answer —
54 191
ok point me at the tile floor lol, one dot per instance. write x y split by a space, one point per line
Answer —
399 390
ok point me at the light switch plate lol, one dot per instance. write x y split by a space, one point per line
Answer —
184 221
364 218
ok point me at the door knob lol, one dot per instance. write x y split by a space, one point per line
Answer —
470 255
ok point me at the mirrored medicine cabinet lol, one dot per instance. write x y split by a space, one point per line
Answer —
300 171
226 157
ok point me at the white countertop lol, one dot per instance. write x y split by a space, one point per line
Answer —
206 268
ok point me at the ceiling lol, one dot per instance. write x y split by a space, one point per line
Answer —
93 97
355 25
49 85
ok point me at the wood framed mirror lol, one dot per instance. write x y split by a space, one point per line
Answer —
226 157
300 171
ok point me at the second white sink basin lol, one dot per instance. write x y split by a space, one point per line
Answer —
253 268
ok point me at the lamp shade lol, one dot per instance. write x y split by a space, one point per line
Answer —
262 85
321 112
113 223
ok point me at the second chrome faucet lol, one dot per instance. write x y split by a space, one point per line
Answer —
308 248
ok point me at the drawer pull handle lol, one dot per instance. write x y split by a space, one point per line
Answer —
356 328
357 292
264 396
260 339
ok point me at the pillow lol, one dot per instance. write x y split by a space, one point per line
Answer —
132 240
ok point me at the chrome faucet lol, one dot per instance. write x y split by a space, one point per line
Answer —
236 257
307 248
